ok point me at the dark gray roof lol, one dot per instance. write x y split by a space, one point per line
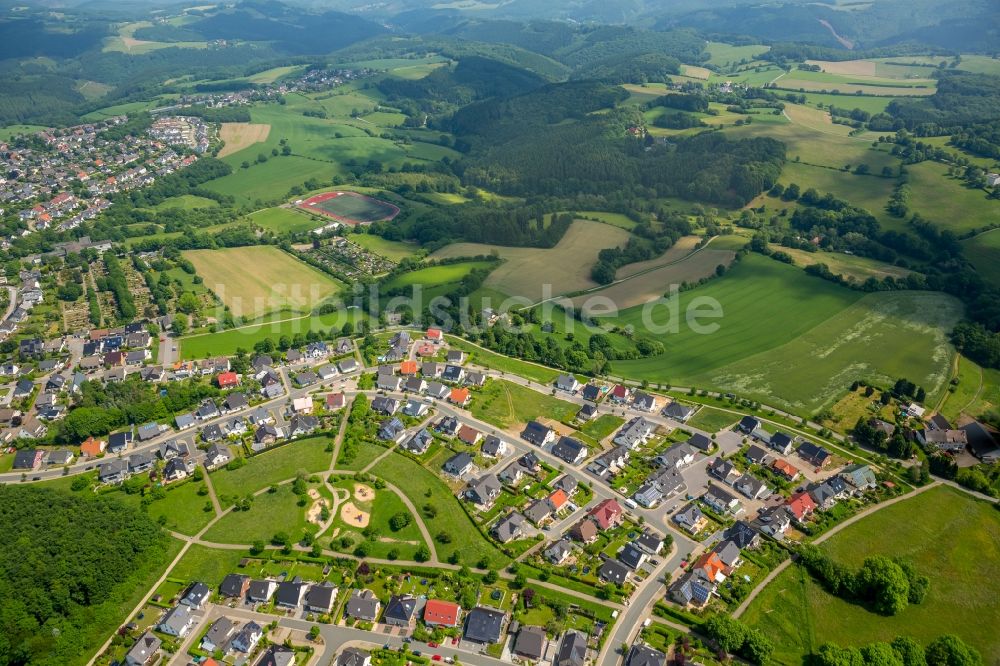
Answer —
232 585
530 642
401 607
362 604
572 649
643 655
613 571
485 625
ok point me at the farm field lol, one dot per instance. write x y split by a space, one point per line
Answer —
435 280
284 220
653 284
867 103
275 73
984 253
796 341
279 464
682 248
279 282
566 267
507 405
869 192
815 147
614 219
799 615
423 487
850 266
238 136
948 202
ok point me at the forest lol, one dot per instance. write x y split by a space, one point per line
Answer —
66 562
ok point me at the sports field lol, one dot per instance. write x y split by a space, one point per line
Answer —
238 136
257 280
350 207
797 341
949 537
565 267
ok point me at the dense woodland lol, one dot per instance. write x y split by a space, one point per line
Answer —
66 563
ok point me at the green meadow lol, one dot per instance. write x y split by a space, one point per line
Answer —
796 341
984 253
948 536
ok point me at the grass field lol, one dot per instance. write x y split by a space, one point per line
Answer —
867 103
279 282
183 509
275 73
984 253
435 280
711 419
869 192
269 514
238 136
799 615
976 394
506 405
186 202
227 342
500 363
284 462
614 219
565 268
849 266
285 220
208 565
721 54
391 250
10 131
796 341
423 487
947 201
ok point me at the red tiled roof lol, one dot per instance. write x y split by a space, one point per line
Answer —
441 612
459 395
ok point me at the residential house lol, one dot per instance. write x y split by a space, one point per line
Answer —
982 442
218 635
649 542
319 598
691 518
742 534
724 470
757 456
335 401
530 643
414 385
484 491
384 405
608 514
748 424
587 412
441 613
691 589
860 476
302 405
610 462
453 373
700 442
567 383
643 655
143 651
217 455
632 556
196 595
247 637
363 605
789 471
721 500
613 571
509 527
391 430
400 611
620 394
801 505
177 621
261 591
635 433
559 551
92 447
437 390
460 396
572 649
485 625
290 592
459 464
711 567
353 657
751 487
302 424
570 450
112 471
469 435
584 531
815 455
347 366
678 412
537 434
419 442
677 456
782 443
234 586
275 655
494 447
448 426
774 520
643 402
591 392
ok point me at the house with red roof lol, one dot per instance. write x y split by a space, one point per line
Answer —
558 499
408 368
442 613
460 396
711 566
92 447
434 335
469 435
786 469
620 393
607 514
227 380
335 400
801 505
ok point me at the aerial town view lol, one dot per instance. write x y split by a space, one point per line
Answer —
562 333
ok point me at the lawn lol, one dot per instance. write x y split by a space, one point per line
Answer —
424 487
269 514
367 452
602 426
711 419
505 404
799 616
984 253
285 220
526 272
795 341
278 281
278 464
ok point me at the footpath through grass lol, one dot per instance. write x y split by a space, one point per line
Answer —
950 537
284 462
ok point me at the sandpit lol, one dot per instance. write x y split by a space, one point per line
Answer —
313 493
354 516
314 514
363 493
